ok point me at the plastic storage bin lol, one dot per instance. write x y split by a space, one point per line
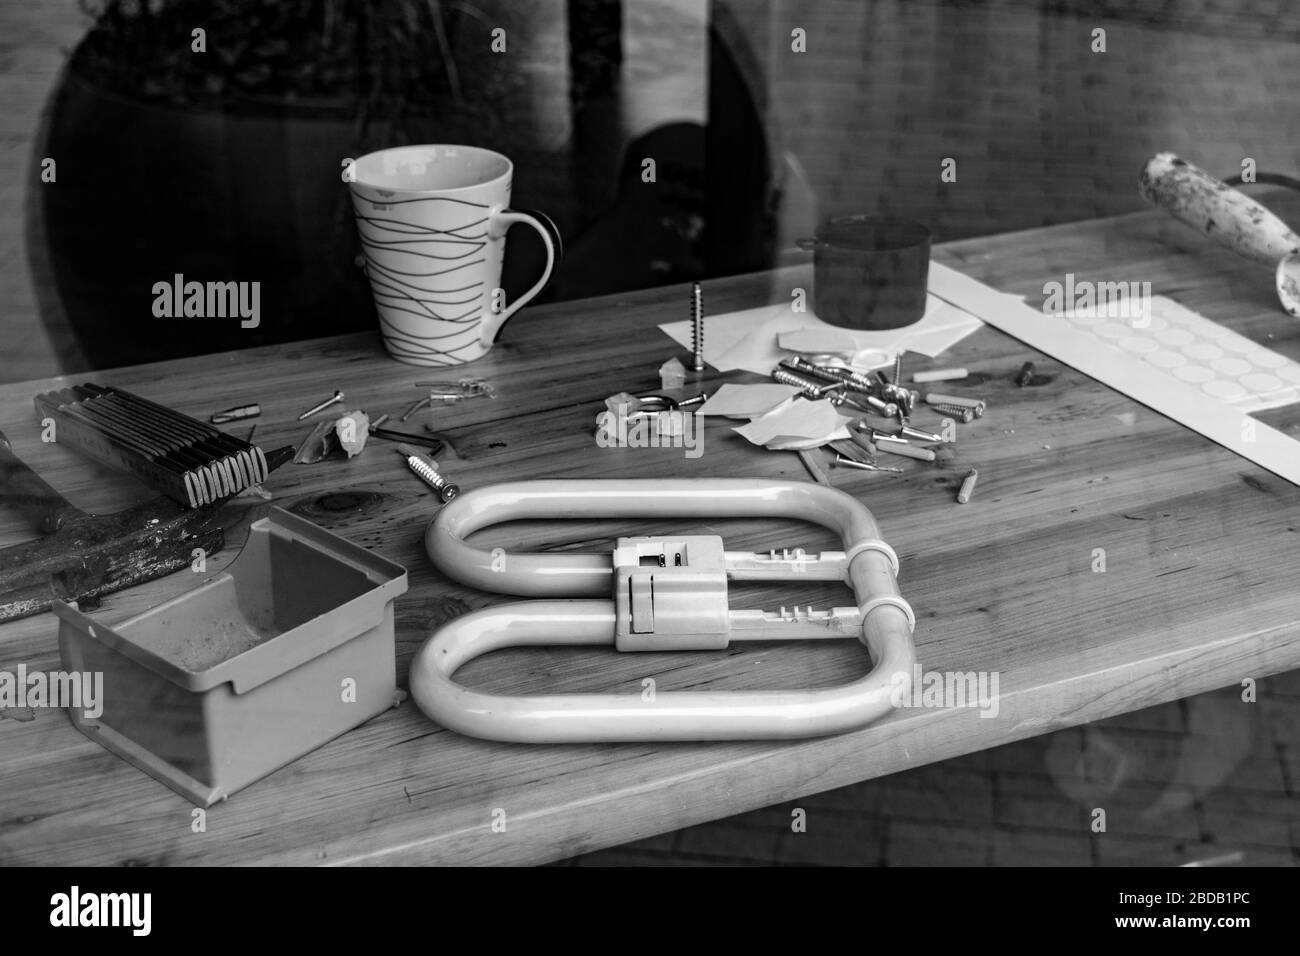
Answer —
289 647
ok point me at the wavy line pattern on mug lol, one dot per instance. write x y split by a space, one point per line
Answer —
403 280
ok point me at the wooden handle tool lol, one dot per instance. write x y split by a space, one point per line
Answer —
1228 216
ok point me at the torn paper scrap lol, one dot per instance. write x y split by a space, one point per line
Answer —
795 423
794 443
747 401
818 340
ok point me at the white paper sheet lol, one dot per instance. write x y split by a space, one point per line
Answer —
748 339
1123 370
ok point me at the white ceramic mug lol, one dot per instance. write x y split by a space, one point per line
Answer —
433 223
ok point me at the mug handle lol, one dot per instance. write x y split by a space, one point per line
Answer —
500 220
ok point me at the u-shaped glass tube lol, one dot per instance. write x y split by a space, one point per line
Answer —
887 620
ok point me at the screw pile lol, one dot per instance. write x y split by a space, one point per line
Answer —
885 396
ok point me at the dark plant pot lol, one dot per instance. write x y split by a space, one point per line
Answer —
869 272
146 192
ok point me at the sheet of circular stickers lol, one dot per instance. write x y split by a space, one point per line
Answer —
1197 352
1171 359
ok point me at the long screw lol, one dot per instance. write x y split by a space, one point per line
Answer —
829 373
699 399
844 379
338 397
697 327
890 406
808 387
428 472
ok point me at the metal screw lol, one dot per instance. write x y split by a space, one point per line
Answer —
898 369
962 412
830 373
797 370
338 397
809 388
465 388
893 402
427 469
975 404
901 397
874 405
887 409
697 327
796 364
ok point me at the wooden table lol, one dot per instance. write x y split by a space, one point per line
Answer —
1199 589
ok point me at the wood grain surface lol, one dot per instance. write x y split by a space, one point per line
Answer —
1199 589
